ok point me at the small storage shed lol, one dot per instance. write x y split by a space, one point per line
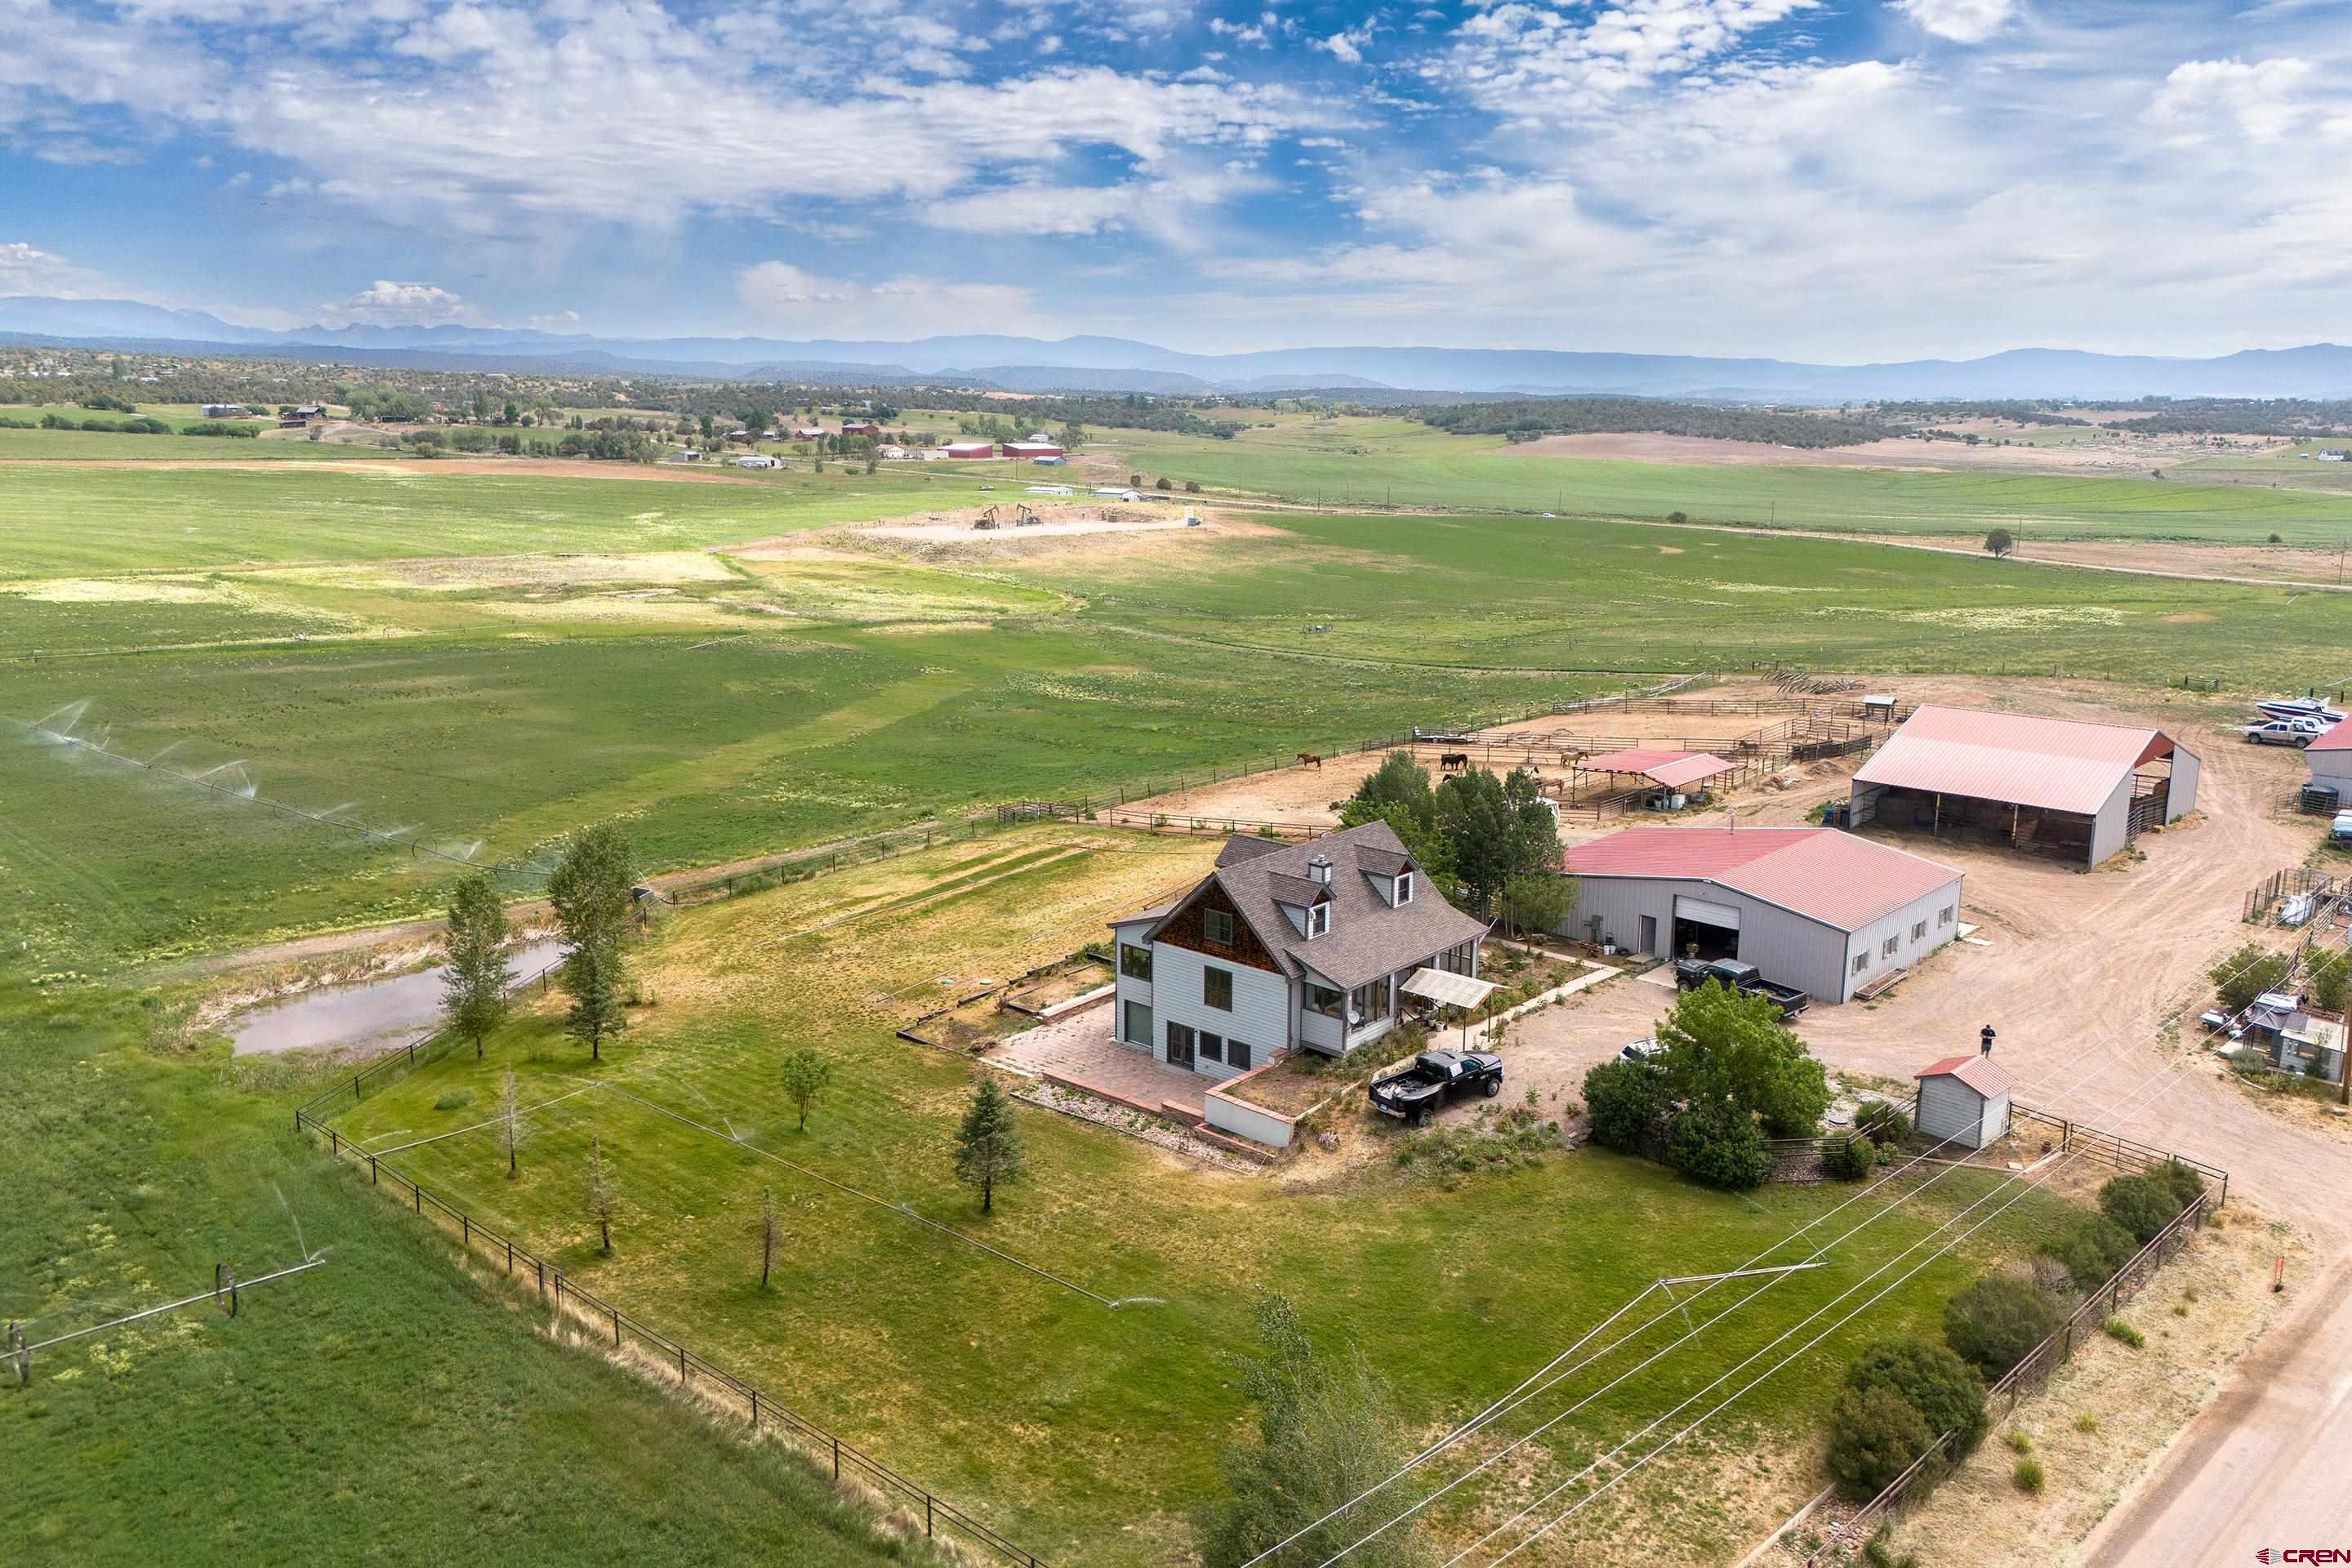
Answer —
1964 1100
2330 757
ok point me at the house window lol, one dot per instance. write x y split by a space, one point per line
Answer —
1238 1053
1217 926
1135 963
1944 915
1919 932
1404 889
1180 1044
1212 1046
1217 989
1861 962
1886 949
1324 1000
1138 1025
1371 1002
1318 921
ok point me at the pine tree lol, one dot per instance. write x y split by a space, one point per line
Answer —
988 1144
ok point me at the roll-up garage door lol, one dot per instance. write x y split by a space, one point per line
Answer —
1705 914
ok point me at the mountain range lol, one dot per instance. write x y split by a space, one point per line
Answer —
1121 365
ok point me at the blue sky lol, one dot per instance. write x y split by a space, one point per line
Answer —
1845 179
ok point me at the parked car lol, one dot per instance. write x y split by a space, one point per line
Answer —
1690 973
2340 830
1645 1050
1419 1092
2283 733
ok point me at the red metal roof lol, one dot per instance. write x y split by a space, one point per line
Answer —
1977 1072
2052 764
1820 872
1668 768
2336 737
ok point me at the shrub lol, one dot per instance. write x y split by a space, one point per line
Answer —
2087 1422
2246 974
1996 1322
1677 517
1885 1122
2018 1442
2092 1251
1943 1389
1851 1160
2185 1184
1717 1141
456 1100
1627 1104
1875 1437
2028 1476
2142 1204
2123 1333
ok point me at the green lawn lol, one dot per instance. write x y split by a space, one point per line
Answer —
1390 461
1088 1432
382 1407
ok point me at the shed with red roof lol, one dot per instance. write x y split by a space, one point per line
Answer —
2330 757
1809 907
1962 1099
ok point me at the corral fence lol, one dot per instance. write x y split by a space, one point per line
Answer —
587 1311
2314 882
2068 1135
2028 1377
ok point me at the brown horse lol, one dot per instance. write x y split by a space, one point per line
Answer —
1310 759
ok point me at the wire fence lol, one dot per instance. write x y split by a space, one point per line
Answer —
2124 1153
587 1311
2028 1377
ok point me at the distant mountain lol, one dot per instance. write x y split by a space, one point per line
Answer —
1121 365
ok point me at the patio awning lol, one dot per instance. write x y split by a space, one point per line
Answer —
1452 990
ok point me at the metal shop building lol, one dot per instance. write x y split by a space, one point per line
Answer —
2059 787
2330 757
1809 907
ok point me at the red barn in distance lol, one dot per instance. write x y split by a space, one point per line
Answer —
969 448
1023 449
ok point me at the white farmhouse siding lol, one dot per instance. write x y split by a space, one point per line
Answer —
1259 1017
1964 1100
1131 1021
1799 903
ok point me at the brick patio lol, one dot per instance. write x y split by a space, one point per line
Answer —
1077 1049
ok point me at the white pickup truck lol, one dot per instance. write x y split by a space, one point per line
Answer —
2283 732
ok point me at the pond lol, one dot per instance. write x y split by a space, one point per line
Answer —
389 1012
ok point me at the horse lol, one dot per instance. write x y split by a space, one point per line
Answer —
1310 759
1453 762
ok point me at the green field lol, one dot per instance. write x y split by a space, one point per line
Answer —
1379 461
382 1407
1086 1432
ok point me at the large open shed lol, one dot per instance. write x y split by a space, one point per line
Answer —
2059 787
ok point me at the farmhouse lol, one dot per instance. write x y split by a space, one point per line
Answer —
861 428
1964 1100
2049 786
1286 946
2330 756
808 432
1809 907
969 448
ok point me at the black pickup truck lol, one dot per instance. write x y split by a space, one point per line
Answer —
1690 973
1415 1095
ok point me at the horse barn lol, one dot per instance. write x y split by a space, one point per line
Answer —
2058 787
1814 907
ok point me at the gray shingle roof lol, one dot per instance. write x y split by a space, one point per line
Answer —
1299 893
1368 937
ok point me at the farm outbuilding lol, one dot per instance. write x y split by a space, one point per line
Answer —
1031 449
1964 1100
2330 757
969 448
2060 787
1809 907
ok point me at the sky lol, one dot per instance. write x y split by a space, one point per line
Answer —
1819 179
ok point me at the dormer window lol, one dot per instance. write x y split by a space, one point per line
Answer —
1405 888
1318 921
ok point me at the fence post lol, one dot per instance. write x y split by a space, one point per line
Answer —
927 1514
755 1410
371 1171
836 1461
334 1143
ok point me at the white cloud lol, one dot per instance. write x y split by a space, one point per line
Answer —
1962 21
781 297
560 321
1524 59
26 270
2263 102
1348 44
384 303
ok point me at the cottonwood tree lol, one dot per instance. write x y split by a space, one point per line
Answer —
590 891
1999 542
771 1231
988 1145
806 1074
1537 900
1723 1045
473 950
601 1197
1327 1433
512 1127
1497 828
